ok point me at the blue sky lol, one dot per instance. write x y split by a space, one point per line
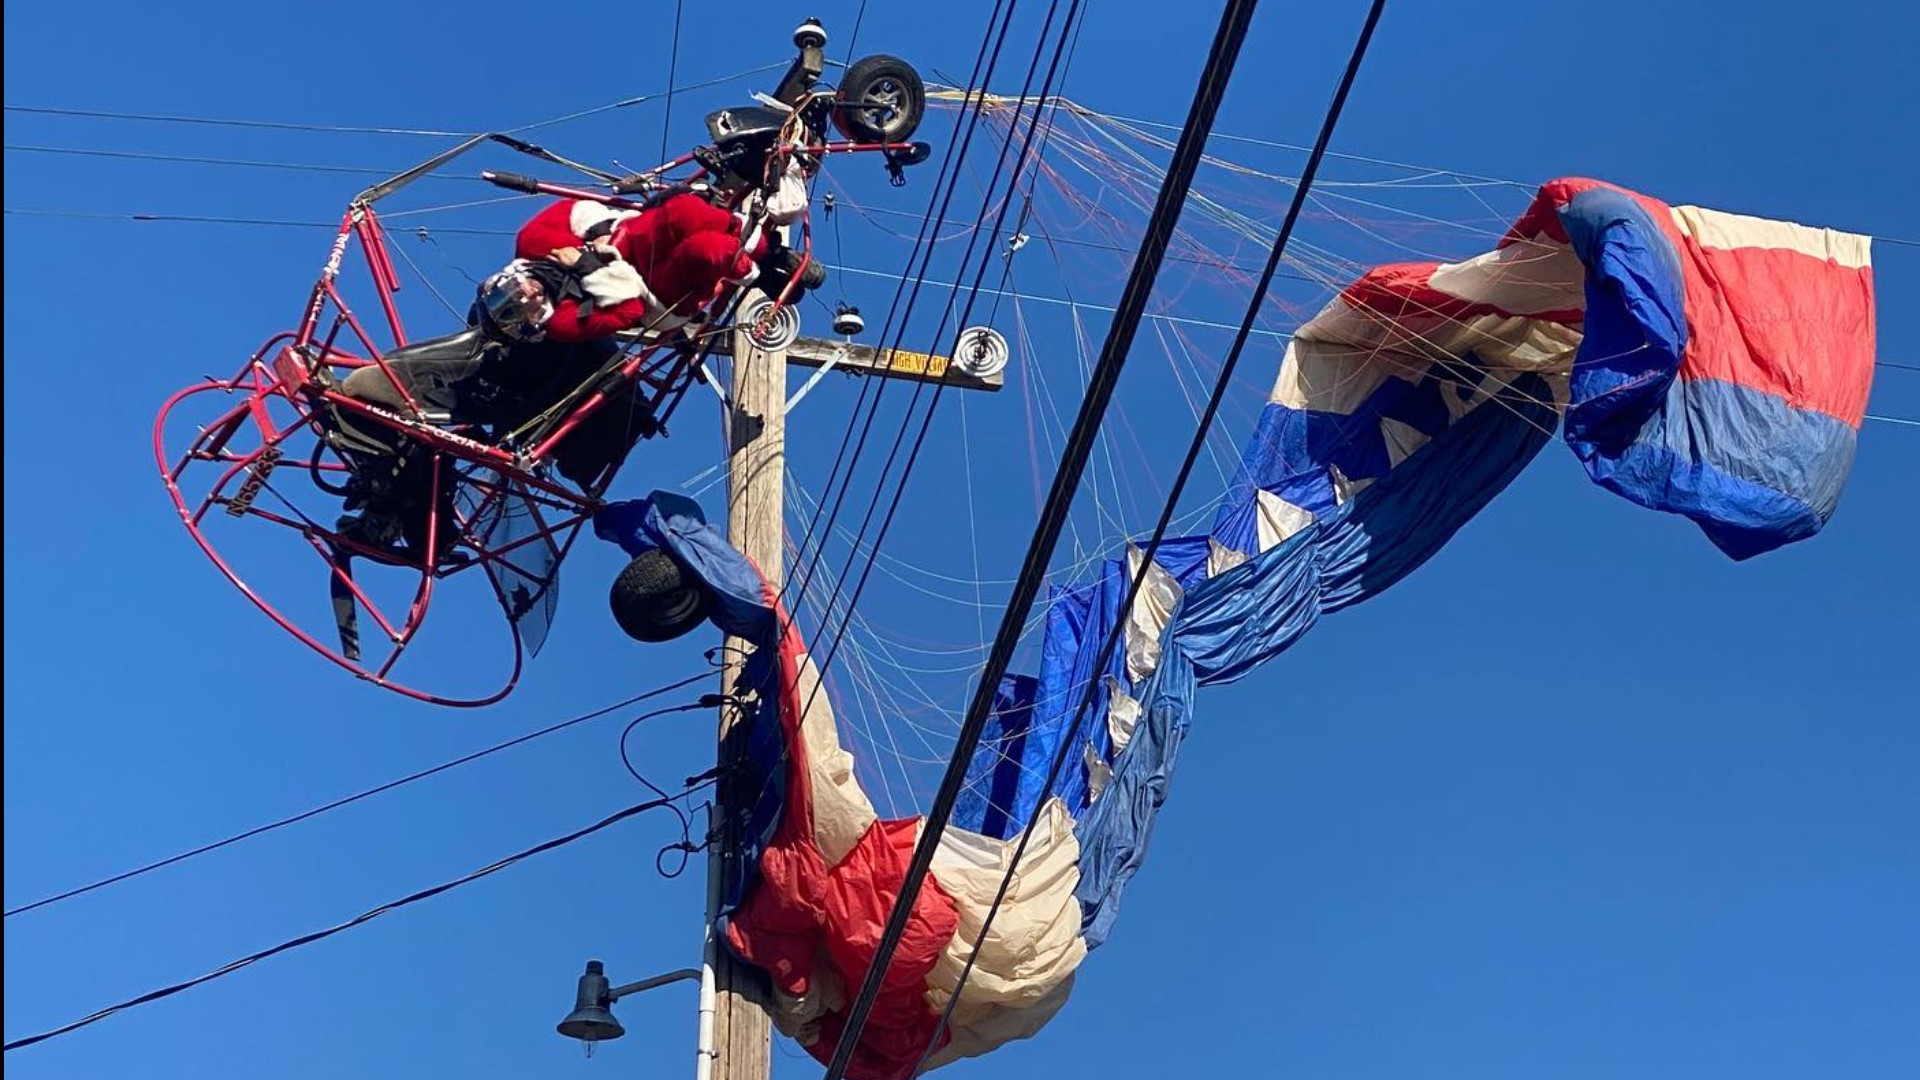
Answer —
1508 820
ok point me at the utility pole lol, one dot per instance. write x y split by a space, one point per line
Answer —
756 471
739 994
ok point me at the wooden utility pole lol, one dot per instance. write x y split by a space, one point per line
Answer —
756 449
756 464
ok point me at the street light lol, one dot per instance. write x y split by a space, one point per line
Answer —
592 1018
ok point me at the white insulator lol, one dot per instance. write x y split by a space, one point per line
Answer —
770 333
980 352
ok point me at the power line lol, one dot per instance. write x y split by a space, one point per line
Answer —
214 219
1046 101
168 118
642 99
1069 739
859 18
1211 89
365 129
188 159
673 72
986 60
364 917
926 422
372 791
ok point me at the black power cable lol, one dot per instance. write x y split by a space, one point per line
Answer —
336 804
973 294
673 72
1212 87
826 662
945 184
364 917
1194 449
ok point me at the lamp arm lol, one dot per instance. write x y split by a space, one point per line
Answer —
619 992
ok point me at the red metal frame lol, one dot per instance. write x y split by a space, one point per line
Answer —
301 367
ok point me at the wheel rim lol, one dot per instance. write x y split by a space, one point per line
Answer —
891 94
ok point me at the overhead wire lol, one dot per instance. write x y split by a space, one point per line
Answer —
859 19
365 129
919 389
275 125
378 789
909 282
1068 741
190 159
673 70
1208 94
358 920
986 62
424 233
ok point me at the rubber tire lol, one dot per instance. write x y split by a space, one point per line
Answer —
864 76
655 600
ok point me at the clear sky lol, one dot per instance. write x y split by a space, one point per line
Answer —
1505 821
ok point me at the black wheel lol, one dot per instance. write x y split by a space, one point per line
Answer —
881 100
654 600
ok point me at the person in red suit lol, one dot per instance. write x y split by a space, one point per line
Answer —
582 273
654 268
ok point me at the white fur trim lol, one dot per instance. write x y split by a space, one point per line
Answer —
789 200
751 237
616 283
586 214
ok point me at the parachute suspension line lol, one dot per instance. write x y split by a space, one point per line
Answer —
945 182
1104 519
863 678
926 420
986 61
924 246
1234 20
1186 395
1336 271
673 73
973 295
827 659
1194 448
368 793
973 525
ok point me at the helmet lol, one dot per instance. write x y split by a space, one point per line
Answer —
514 302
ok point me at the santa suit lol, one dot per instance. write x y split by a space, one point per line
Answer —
672 257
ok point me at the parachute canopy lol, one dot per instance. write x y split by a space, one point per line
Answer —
1702 363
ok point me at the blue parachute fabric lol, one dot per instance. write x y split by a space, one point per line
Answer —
1394 525
1232 623
1725 362
994 774
1702 363
678 525
1114 832
1636 320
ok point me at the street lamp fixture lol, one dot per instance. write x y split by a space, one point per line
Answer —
592 1018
